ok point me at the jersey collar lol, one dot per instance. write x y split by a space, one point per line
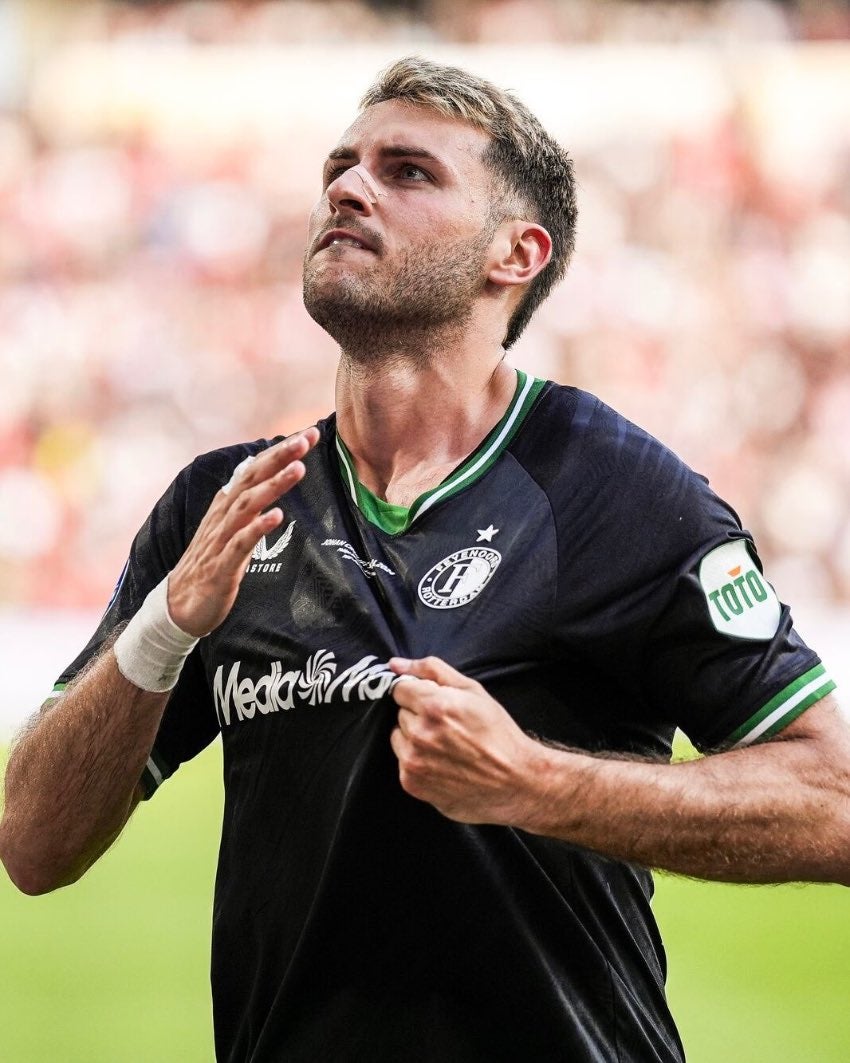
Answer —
396 519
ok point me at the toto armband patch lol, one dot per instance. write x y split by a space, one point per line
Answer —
740 601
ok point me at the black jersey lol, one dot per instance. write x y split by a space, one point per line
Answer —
601 592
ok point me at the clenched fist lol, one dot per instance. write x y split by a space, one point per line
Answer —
460 750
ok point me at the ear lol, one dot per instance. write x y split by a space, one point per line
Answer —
520 250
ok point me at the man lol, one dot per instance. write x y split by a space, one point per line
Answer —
447 679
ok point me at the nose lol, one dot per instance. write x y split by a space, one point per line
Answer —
355 189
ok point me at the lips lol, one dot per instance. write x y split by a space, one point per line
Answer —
346 238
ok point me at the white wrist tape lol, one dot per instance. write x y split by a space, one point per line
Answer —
151 649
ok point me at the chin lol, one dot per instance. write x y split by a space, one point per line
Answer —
331 303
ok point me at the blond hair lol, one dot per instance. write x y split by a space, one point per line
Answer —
535 172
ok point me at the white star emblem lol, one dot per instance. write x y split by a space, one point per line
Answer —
486 534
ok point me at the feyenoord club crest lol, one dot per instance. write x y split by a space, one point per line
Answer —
458 578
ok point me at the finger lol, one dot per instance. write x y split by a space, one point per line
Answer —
238 473
399 743
435 669
407 722
414 694
278 483
269 463
237 550
256 468
266 477
248 504
295 446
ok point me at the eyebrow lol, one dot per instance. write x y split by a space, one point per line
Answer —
395 151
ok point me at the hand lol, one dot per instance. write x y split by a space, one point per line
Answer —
203 585
459 749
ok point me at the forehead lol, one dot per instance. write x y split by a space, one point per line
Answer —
382 126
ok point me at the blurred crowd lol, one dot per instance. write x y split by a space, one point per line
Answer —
150 301
462 21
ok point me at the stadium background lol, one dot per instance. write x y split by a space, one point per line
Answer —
157 162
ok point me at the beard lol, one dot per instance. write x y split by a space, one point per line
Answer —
428 299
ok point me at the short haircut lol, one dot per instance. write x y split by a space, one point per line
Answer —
535 171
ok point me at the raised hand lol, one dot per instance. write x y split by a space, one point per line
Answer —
203 585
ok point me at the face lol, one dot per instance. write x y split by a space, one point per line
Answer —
398 241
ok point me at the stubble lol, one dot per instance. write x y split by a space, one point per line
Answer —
378 316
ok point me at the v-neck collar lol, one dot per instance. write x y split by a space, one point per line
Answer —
397 519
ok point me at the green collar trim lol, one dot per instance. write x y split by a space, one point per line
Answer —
393 519
396 519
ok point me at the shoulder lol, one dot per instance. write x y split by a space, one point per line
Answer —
612 478
574 434
579 422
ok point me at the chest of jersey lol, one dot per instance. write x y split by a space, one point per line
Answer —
326 601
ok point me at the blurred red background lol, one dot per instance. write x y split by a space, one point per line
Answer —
157 163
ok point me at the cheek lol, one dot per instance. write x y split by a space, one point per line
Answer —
465 215
317 216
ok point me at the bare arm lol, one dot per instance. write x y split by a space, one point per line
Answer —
72 780
774 812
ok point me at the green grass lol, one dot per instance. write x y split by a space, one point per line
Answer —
115 968
758 974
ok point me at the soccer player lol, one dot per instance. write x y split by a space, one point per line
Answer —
446 636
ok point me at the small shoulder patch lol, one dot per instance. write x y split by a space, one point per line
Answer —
741 603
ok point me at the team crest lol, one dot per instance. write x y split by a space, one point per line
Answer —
458 578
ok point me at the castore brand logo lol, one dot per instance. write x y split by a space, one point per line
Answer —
262 556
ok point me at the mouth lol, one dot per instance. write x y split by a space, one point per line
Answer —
345 238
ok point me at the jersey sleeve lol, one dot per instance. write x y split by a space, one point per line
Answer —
665 591
717 647
724 650
189 722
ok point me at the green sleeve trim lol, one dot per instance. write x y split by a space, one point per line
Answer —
791 702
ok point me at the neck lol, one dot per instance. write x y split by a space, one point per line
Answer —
408 421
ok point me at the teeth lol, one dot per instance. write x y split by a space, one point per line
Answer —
347 240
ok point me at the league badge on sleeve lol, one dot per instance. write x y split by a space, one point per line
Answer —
740 601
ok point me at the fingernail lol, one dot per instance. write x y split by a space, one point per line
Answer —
399 662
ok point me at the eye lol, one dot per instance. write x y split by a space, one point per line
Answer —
410 172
